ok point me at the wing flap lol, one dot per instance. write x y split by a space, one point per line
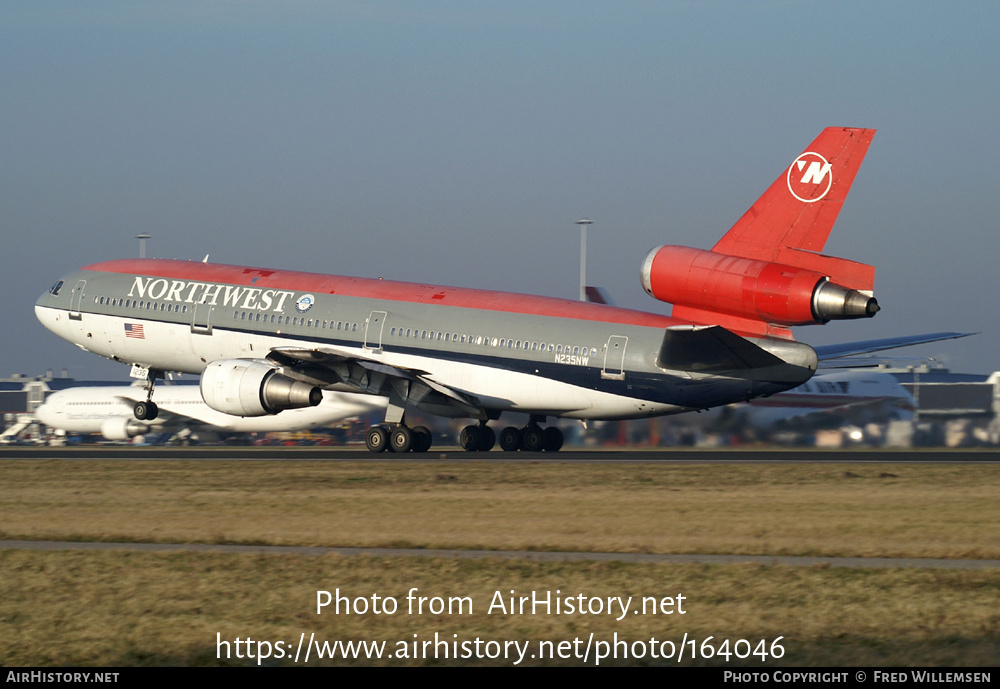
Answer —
375 377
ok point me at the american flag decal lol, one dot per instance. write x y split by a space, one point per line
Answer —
135 330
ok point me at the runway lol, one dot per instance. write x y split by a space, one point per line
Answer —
537 556
624 455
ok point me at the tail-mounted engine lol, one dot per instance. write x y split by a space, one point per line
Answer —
246 387
764 291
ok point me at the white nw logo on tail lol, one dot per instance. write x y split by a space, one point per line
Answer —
814 173
806 177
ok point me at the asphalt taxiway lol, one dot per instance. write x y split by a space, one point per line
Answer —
633 455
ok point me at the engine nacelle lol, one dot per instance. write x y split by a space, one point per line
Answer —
747 288
247 387
122 428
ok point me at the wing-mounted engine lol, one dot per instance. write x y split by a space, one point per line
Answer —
249 387
123 428
756 290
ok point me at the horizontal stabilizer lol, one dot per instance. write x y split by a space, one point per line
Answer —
865 346
705 349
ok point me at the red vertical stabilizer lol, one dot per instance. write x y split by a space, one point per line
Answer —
766 274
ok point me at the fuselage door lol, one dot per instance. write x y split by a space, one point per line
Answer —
373 330
76 299
201 319
614 358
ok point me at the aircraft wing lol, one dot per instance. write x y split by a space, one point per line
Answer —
858 412
826 352
413 386
166 418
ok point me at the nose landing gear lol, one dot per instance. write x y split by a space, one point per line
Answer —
147 411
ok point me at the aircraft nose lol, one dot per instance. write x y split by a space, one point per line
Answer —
44 414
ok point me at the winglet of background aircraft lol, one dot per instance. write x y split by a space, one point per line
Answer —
598 295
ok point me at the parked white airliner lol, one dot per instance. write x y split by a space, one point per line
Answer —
108 410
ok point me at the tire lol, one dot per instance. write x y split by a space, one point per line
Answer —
532 439
377 439
510 439
401 439
552 439
469 439
487 438
145 411
422 439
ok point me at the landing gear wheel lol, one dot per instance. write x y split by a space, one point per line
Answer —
552 439
532 439
470 438
510 439
377 439
487 438
422 439
401 439
145 411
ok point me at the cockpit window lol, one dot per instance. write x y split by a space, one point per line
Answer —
54 290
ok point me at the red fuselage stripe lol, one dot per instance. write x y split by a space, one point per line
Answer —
387 290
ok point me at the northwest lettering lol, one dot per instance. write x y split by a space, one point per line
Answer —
250 298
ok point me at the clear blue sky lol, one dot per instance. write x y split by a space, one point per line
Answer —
457 143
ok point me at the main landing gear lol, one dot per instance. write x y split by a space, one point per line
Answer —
398 438
531 438
147 411
479 438
394 435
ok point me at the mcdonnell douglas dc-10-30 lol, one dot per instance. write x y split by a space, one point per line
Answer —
268 340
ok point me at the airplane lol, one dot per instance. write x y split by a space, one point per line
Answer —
268 340
108 410
857 396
